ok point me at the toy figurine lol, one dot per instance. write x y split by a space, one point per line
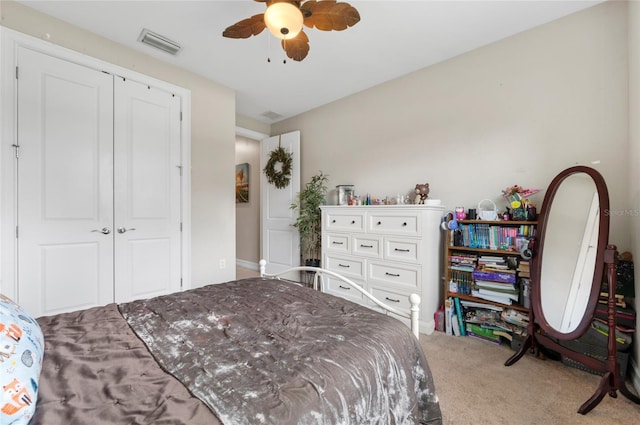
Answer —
422 192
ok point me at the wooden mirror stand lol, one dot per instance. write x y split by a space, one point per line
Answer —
540 333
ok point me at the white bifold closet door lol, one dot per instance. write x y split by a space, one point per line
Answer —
98 187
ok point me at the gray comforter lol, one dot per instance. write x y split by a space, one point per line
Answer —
269 352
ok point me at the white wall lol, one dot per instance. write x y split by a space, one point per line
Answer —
212 136
634 161
515 112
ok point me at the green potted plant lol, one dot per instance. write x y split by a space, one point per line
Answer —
309 218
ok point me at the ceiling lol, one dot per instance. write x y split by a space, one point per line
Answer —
393 38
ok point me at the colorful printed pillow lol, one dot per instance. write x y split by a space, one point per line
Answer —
21 351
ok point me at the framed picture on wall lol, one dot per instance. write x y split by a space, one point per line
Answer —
242 183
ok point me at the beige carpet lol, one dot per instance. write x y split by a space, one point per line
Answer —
474 387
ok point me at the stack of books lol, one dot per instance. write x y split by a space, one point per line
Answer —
483 332
488 322
461 268
523 269
516 318
482 235
490 262
494 281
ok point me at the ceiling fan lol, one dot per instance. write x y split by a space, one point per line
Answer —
285 18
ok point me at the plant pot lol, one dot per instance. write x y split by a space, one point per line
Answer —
312 262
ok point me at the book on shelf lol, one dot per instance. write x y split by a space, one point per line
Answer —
515 317
481 331
495 285
454 325
447 316
506 276
483 338
491 259
474 304
510 295
463 258
523 269
493 298
504 334
498 267
460 315
462 268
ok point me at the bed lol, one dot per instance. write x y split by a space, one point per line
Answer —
262 350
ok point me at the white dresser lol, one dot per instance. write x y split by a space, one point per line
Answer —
390 250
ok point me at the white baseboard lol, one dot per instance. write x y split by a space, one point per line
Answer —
248 265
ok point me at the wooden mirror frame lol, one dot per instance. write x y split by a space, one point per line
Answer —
541 334
603 238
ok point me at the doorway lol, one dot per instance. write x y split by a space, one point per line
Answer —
248 210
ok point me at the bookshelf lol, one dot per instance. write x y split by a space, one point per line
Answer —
484 271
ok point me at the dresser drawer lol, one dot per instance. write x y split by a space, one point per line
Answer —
402 249
348 267
342 289
394 224
338 243
397 299
368 246
395 274
344 221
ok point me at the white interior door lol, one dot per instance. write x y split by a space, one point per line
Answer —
280 244
98 192
147 191
64 196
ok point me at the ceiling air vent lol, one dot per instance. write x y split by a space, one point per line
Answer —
159 42
271 115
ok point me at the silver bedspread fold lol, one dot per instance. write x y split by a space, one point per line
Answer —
269 352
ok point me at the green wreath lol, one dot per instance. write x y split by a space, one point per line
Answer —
279 178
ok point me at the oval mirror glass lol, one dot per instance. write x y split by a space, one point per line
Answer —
570 254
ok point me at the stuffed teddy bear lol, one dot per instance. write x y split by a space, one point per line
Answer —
422 192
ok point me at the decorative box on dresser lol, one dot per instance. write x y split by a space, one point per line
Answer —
390 250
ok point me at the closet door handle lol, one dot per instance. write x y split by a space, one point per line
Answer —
123 230
104 230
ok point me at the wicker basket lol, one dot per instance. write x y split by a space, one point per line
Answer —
487 210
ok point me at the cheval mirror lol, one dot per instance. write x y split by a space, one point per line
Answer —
571 256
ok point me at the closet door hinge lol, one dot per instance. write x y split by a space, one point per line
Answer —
16 232
16 72
180 115
181 226
17 148
180 283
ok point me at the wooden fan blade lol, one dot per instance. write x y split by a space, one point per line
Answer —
246 28
329 15
297 48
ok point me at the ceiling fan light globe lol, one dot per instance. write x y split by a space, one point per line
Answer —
284 20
